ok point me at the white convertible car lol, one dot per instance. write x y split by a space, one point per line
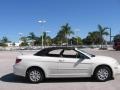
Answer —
64 62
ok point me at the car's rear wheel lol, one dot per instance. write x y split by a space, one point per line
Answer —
103 73
35 75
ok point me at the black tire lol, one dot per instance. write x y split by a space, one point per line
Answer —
35 75
102 73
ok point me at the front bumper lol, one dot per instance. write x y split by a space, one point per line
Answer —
117 70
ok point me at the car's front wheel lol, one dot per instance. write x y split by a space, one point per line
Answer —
102 73
35 75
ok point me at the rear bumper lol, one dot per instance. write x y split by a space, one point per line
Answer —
18 70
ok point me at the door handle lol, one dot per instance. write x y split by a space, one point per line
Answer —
61 60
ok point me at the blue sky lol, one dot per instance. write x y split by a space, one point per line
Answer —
23 15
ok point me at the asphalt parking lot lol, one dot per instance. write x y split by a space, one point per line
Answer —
10 82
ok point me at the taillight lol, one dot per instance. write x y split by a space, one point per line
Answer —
18 60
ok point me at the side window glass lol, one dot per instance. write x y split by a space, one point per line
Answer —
82 56
55 53
70 54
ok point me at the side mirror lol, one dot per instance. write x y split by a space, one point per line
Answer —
92 55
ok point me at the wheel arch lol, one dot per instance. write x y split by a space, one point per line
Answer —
101 66
31 67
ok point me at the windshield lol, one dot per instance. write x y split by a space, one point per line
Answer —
91 55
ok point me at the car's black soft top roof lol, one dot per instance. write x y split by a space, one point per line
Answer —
46 50
53 48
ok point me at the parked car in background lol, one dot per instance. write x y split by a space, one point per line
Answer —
65 62
116 45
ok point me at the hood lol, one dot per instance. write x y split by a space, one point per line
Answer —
104 59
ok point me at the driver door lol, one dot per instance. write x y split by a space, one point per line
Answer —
74 64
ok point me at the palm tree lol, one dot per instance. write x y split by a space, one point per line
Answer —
60 38
32 37
5 40
48 41
24 41
66 31
94 37
44 37
103 32
76 41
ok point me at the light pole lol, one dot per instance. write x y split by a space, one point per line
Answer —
20 35
110 35
47 32
42 22
77 31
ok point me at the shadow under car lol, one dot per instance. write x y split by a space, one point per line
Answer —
17 79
